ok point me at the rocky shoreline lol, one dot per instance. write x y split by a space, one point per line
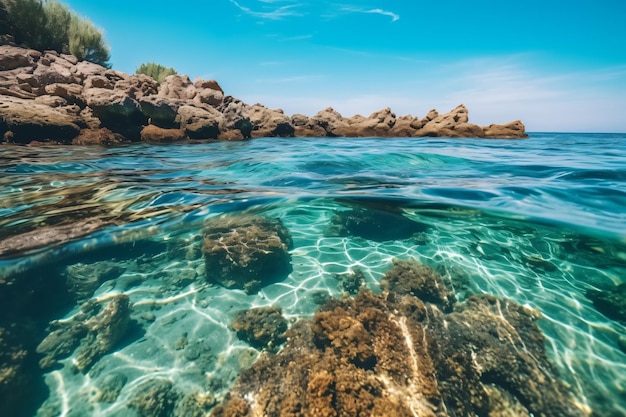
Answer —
53 98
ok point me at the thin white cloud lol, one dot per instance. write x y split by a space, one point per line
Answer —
275 14
394 17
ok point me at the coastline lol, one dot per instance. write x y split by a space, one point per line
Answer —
54 98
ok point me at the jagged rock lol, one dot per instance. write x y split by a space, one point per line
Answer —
263 327
246 252
28 122
157 134
405 127
454 124
87 69
395 355
199 123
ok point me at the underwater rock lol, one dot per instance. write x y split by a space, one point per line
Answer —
611 303
393 354
263 327
155 398
83 279
110 387
92 332
15 377
195 404
352 282
421 281
246 252
373 224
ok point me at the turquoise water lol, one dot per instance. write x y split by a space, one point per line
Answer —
541 221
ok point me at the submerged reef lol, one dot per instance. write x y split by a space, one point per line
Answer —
54 98
91 333
611 302
262 327
246 252
395 354
373 224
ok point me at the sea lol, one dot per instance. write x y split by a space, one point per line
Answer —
540 221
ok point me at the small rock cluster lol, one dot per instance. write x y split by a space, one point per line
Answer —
52 97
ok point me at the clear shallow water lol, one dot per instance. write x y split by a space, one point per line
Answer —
540 221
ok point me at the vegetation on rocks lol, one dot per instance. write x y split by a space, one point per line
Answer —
51 25
156 71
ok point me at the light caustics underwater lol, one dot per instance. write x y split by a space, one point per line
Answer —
125 272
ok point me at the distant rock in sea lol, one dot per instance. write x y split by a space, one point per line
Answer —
51 97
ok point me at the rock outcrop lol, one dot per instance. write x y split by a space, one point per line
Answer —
51 97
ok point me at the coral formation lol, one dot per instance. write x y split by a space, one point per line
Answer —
246 252
396 355
263 327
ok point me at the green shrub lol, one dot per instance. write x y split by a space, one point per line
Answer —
49 24
156 71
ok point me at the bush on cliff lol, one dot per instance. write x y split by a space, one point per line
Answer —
156 71
49 24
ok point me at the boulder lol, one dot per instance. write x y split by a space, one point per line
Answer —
177 86
263 327
152 133
332 122
208 92
405 127
161 111
117 111
454 124
246 252
92 333
72 93
98 136
511 130
268 122
137 86
27 121
12 57
377 125
199 123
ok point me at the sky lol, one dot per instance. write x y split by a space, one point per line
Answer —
558 65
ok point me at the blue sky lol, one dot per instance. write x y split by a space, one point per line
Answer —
557 65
